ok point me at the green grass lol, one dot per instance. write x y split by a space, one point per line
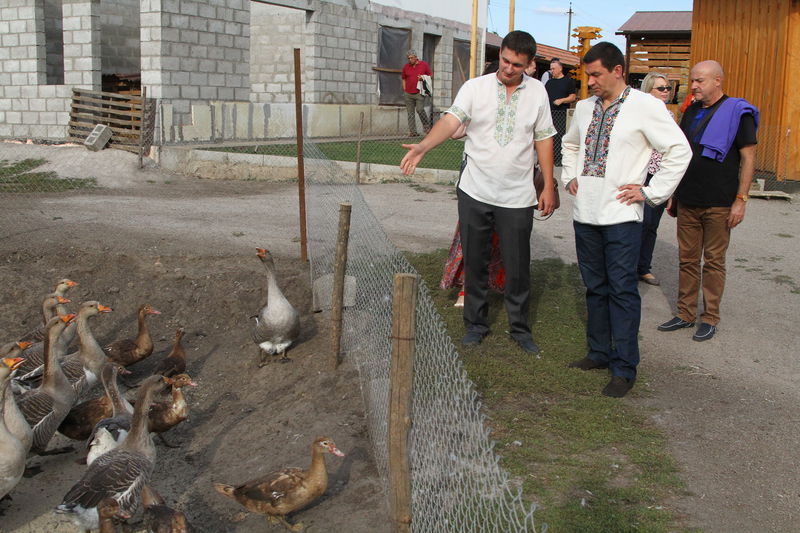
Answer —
593 464
446 156
17 177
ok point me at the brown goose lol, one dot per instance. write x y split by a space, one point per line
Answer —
12 451
34 353
165 415
82 418
56 298
129 351
277 323
285 491
158 517
121 473
175 362
46 406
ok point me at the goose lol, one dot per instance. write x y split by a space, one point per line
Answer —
158 517
49 310
110 432
279 493
165 415
120 473
82 418
129 351
13 417
277 323
46 406
175 362
12 451
34 353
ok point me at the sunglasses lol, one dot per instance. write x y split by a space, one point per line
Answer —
663 89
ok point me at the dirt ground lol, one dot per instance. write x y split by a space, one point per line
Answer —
188 247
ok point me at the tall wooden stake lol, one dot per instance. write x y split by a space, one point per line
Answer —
473 42
301 172
404 314
511 10
358 149
339 270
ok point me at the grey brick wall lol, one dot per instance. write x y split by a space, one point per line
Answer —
119 37
22 43
274 34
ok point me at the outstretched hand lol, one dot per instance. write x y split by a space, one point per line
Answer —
410 161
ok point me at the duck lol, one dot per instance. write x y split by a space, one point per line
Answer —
158 517
283 492
82 418
120 473
129 351
57 297
12 451
108 512
175 362
278 322
46 406
165 415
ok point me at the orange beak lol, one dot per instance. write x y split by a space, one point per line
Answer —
71 283
104 308
261 252
69 317
63 300
168 381
13 362
23 344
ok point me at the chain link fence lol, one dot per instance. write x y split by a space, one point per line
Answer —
457 483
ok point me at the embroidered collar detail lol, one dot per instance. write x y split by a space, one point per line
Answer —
598 135
506 113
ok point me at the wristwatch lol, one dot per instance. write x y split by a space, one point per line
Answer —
742 197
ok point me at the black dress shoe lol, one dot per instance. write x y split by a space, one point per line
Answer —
473 338
675 323
704 332
528 346
618 387
587 364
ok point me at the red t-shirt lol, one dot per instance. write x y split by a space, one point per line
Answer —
411 75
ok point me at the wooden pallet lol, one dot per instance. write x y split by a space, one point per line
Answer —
123 113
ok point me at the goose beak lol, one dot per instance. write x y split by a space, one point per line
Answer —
69 317
104 308
168 381
23 344
63 300
261 252
70 283
13 362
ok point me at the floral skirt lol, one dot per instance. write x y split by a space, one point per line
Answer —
454 266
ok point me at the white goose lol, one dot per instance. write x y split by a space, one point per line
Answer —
277 323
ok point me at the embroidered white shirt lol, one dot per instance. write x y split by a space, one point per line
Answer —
499 145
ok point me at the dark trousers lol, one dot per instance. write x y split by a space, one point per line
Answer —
560 124
652 217
607 257
513 227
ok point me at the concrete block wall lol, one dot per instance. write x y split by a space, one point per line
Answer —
22 43
195 50
82 55
34 111
119 37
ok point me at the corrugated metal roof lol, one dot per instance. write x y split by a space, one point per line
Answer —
658 21
543 51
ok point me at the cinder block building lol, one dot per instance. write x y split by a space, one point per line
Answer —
223 69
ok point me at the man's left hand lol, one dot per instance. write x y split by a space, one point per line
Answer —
630 194
736 215
547 201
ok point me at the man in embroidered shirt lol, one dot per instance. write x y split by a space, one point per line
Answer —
509 116
605 153
712 195
410 75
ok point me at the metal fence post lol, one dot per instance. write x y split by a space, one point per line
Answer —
404 312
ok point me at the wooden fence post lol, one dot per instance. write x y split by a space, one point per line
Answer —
358 149
301 173
142 127
340 268
404 313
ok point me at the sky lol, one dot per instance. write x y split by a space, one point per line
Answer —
547 20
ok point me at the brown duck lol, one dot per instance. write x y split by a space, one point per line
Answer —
82 418
129 351
175 362
165 415
285 491
159 518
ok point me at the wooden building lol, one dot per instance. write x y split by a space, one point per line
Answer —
660 41
758 44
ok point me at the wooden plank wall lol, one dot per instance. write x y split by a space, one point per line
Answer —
670 56
121 112
752 41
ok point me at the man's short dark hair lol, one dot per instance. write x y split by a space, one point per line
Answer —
555 60
609 55
520 42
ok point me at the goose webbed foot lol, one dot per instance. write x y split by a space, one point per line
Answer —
263 358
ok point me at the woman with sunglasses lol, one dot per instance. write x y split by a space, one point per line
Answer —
657 85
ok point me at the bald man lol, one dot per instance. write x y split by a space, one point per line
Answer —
712 196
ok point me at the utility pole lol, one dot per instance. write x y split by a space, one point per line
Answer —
569 25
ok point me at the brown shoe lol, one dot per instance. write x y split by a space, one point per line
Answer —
587 364
618 387
649 279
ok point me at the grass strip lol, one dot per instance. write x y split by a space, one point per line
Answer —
592 463
446 156
17 177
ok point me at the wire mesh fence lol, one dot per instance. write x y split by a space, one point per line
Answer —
457 483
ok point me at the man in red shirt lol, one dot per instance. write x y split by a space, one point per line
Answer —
414 100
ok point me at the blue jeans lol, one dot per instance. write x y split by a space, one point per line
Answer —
652 217
607 257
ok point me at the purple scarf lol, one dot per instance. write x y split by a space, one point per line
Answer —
721 131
